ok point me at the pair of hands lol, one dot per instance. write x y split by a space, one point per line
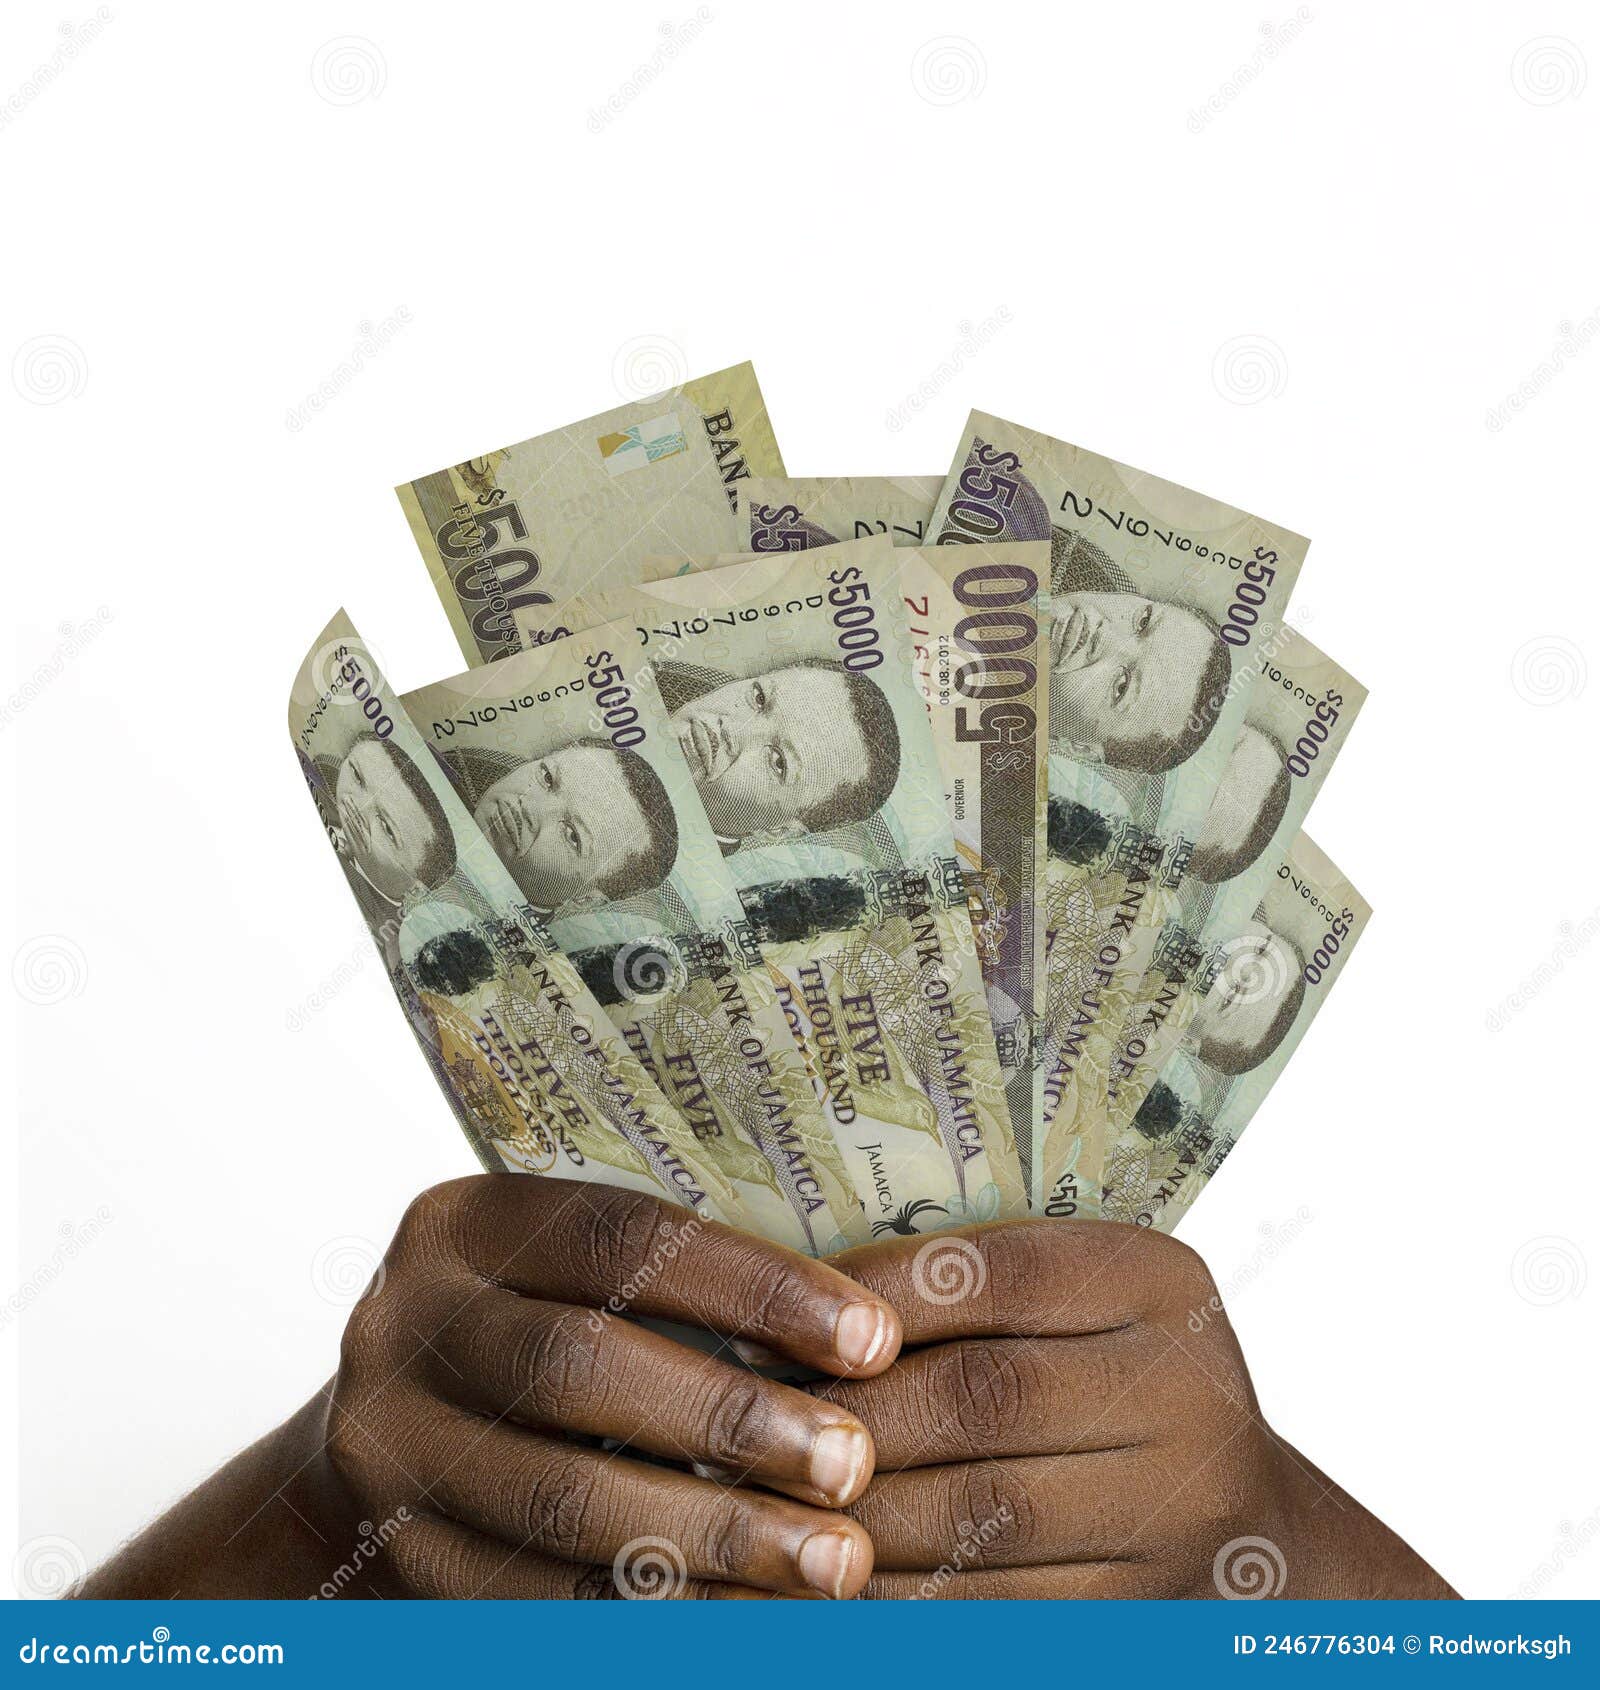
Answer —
1031 1408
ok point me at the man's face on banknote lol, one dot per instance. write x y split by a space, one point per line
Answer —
584 823
388 830
1251 1001
1245 810
787 750
1131 678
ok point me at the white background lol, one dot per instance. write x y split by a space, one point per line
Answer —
1296 260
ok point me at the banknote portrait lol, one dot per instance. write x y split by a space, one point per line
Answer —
387 824
584 823
799 748
1245 811
1135 682
1251 1001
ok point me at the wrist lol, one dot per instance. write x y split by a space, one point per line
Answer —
1337 1550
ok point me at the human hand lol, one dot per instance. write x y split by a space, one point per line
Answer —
1072 1417
491 1342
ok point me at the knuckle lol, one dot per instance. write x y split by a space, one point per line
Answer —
560 1507
989 1387
620 1230
738 1428
733 1536
773 1297
1017 1260
1182 1279
993 1511
596 1584
557 1363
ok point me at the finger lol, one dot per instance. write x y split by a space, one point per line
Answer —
445 1561
1079 1582
1027 1279
1022 1513
558 1366
574 1504
993 1398
636 1254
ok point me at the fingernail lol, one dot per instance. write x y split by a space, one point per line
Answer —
825 1561
860 1333
837 1458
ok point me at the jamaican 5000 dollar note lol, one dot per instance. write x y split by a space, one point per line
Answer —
1160 599
575 509
536 1075
979 661
1263 985
789 684
1301 710
570 770
790 513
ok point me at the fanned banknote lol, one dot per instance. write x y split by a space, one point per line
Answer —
978 659
577 508
790 513
1161 599
536 1075
1263 986
1301 709
570 770
792 694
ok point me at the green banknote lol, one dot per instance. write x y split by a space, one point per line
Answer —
1161 600
538 1078
1262 987
575 509
789 513
570 770
979 659
1301 709
789 683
